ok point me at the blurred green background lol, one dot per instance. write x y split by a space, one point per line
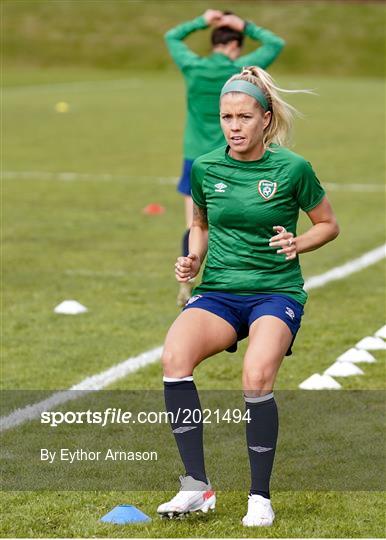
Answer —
341 38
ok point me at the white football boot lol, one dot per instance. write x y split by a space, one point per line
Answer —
260 512
194 496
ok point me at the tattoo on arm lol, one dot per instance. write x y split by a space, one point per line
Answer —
200 216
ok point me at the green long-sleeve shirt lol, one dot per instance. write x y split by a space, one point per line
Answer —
205 76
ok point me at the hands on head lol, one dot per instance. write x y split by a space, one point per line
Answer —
212 16
216 18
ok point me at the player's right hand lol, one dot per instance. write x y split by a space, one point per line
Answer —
212 16
187 268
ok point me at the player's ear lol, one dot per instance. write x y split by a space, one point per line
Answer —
267 119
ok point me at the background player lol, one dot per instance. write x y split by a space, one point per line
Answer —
252 284
204 78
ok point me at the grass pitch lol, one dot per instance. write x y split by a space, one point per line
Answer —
83 235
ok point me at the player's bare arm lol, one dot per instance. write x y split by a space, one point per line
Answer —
324 229
200 217
188 267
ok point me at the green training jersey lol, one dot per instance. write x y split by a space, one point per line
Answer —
243 201
204 78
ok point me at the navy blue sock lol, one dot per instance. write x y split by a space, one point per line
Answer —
185 243
181 397
261 431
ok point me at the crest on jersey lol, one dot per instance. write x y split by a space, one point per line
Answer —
267 189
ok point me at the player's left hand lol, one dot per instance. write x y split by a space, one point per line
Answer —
284 240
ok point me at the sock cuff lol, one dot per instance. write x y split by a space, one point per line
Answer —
178 379
258 399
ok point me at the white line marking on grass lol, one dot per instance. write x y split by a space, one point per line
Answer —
93 383
106 177
341 272
113 84
84 177
118 371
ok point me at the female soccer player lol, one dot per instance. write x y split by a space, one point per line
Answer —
247 198
204 77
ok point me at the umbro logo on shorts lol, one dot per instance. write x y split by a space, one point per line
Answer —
193 299
220 187
260 449
290 312
182 429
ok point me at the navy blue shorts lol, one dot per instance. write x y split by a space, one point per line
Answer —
184 183
242 310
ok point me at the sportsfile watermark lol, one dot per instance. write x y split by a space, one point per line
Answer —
125 440
120 416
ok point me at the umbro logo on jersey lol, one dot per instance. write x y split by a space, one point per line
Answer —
220 187
267 189
290 312
260 449
182 429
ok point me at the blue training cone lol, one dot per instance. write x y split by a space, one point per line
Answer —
125 513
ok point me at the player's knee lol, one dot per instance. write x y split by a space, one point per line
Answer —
257 381
173 364
168 361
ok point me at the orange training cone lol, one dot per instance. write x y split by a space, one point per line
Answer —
153 209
